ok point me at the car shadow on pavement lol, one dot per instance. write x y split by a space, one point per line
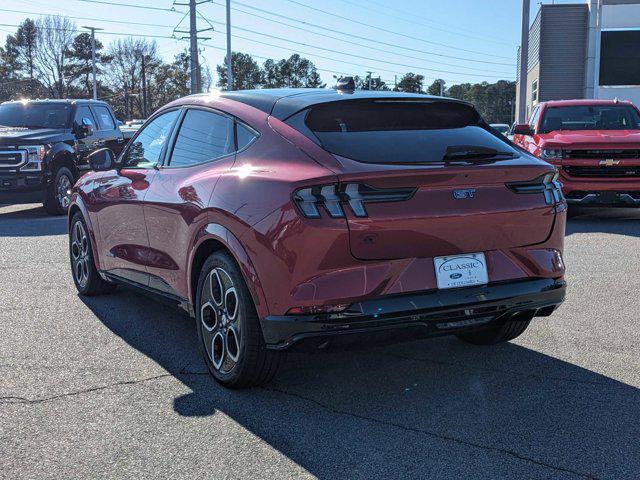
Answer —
619 221
437 407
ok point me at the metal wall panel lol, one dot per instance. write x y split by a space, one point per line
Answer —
563 51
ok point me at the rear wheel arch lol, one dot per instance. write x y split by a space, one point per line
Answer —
218 238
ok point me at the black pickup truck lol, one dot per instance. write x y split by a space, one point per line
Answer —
44 145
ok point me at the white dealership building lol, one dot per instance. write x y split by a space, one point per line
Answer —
589 50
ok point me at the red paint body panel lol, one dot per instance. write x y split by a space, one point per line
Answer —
152 222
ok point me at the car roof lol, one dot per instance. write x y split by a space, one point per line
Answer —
284 102
71 101
583 102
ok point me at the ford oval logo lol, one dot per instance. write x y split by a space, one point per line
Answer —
455 276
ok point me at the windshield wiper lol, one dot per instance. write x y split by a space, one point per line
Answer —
466 153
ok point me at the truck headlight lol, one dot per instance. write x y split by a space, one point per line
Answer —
35 156
551 153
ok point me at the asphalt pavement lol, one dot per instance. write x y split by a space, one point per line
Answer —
113 386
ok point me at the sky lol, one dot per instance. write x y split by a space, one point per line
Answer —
457 40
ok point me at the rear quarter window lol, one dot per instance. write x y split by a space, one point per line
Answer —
398 131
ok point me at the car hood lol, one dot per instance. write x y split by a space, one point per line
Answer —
591 139
15 136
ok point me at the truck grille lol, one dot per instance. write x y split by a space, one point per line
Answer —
602 172
602 154
11 158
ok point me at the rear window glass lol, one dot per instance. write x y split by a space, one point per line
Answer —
384 131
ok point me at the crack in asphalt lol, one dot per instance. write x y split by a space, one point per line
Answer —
509 372
11 399
23 400
440 436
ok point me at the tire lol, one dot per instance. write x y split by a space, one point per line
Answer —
56 201
503 333
229 332
83 268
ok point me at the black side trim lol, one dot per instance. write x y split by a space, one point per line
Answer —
163 296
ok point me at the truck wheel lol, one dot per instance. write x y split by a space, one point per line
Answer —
503 333
83 268
56 198
229 332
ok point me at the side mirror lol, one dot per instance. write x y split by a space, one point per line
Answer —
523 129
101 160
85 129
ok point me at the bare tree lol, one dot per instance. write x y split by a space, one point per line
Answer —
125 72
55 37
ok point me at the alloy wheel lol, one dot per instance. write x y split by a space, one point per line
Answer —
80 254
62 191
219 323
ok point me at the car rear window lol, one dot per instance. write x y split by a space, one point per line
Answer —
392 131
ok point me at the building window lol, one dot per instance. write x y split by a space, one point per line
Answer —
620 58
534 91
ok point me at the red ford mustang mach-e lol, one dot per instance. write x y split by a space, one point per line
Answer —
307 217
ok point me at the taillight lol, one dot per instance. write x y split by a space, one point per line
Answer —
334 197
546 184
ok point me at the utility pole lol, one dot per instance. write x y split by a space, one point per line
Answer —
193 51
441 88
229 54
93 59
524 60
369 74
144 87
194 62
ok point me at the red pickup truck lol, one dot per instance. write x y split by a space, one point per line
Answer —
595 144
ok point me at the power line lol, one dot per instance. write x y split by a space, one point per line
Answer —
415 67
351 42
324 28
368 67
145 7
382 29
348 54
351 36
426 22
472 71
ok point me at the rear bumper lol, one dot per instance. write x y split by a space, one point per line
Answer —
424 314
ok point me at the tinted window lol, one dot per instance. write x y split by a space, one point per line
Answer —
105 121
35 115
146 148
391 131
245 136
590 117
83 116
203 136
